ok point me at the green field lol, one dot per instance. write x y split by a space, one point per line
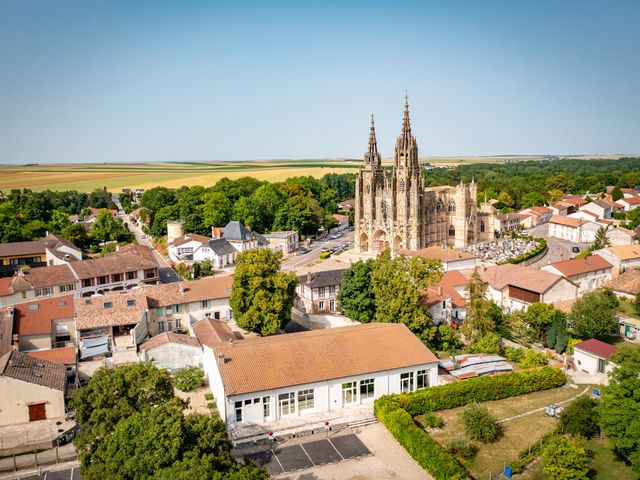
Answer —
115 176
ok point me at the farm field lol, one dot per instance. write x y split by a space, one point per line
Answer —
519 433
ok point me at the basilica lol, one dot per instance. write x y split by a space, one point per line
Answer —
396 211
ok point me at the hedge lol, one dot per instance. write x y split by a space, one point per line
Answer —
480 389
542 245
396 412
418 443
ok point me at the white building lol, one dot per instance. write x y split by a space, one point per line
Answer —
574 230
592 356
629 203
172 351
602 209
589 273
622 258
535 216
620 236
317 292
263 380
285 242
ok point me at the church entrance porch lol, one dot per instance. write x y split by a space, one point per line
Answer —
380 241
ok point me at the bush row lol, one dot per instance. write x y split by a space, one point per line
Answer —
480 389
542 245
424 449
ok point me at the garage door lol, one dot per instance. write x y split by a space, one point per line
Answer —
37 412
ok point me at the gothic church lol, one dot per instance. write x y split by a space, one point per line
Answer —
398 212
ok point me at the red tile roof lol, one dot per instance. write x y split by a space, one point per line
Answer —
35 318
597 348
576 266
169 337
65 356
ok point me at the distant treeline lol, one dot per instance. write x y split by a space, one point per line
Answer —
302 204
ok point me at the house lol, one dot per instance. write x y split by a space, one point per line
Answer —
211 333
114 322
622 258
133 265
336 368
601 208
51 250
615 206
575 200
184 248
285 242
172 351
446 301
346 205
317 291
450 258
45 324
589 273
66 356
535 216
627 284
630 192
514 287
174 307
620 236
37 389
239 236
341 222
592 356
574 230
629 203
561 209
584 215
507 222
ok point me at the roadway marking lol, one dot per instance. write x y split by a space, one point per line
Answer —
278 460
305 452
334 447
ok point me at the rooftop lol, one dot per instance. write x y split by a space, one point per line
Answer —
127 260
64 356
567 221
264 363
35 318
207 288
531 279
112 309
625 252
597 348
322 278
190 237
235 230
577 266
33 370
169 337
627 282
213 333
34 247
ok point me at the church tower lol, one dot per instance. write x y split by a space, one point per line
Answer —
408 186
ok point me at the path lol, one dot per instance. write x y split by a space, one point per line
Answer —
557 249
542 409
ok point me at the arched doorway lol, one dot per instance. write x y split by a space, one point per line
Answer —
397 243
364 243
380 241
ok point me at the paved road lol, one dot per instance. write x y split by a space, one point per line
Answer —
558 249
299 261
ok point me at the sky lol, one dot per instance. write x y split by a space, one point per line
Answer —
116 81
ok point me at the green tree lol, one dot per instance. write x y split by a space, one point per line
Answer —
490 342
580 417
479 424
563 460
262 295
601 240
593 316
59 221
479 319
636 303
447 339
355 297
300 213
539 316
616 193
533 199
619 408
396 283
107 228
216 209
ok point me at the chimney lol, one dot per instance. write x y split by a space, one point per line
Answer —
181 288
221 358
231 344
309 277
439 290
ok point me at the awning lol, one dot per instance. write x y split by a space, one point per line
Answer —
94 346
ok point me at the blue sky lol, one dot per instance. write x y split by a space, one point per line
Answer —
141 80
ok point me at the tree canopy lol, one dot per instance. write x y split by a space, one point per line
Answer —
593 315
355 296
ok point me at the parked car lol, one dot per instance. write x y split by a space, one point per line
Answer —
325 249
303 250
575 249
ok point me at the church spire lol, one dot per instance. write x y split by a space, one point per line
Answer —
372 155
406 122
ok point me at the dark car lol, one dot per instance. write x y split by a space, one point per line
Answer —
303 250
575 249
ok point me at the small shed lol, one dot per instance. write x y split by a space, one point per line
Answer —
591 356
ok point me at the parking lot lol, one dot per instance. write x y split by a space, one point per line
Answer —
310 454
69 474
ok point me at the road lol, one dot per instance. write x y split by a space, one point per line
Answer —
558 249
299 261
167 274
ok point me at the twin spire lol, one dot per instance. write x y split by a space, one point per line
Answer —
372 154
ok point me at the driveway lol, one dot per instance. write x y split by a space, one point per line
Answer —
558 250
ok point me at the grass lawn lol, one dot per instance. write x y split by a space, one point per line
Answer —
518 433
619 341
626 308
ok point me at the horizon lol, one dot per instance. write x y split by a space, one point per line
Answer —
157 82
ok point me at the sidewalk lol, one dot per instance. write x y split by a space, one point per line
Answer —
66 453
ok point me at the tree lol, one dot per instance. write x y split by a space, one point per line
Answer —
216 209
619 409
490 342
593 316
533 199
107 228
479 320
539 316
188 379
479 424
355 297
563 460
396 284
580 417
262 295
555 195
616 193
505 199
300 213
446 339
601 240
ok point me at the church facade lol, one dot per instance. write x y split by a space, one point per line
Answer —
398 212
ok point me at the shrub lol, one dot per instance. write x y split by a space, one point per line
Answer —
480 389
571 344
479 424
580 417
533 358
424 449
188 379
563 460
488 343
208 396
433 420
514 354
463 447
211 406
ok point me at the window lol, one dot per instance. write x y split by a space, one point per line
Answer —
332 289
169 310
481 226
204 304
406 382
131 303
34 306
266 407
150 273
238 410
444 304
305 399
161 326
366 388
452 206
422 379
116 278
178 323
332 305
24 295
62 303
402 186
87 282
349 393
452 231
131 275
287 403
48 290
159 311
321 292
102 280
216 315
169 326
108 304
247 401
321 305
